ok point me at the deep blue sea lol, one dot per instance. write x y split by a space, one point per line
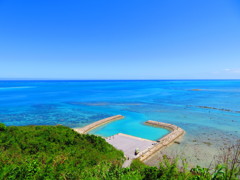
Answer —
194 105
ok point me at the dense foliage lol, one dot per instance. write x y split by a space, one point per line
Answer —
58 152
51 152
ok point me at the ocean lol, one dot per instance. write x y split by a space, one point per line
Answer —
207 109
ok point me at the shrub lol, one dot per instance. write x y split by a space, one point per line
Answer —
58 152
53 152
3 127
137 165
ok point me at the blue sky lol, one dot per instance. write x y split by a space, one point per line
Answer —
120 39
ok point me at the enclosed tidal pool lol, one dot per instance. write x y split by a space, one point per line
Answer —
209 111
137 129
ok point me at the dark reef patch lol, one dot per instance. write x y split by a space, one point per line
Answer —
220 109
51 114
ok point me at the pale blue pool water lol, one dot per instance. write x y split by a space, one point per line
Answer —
78 103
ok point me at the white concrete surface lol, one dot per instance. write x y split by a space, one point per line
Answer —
128 144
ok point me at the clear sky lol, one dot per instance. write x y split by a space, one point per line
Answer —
119 39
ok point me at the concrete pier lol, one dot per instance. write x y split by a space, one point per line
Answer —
96 124
128 144
176 132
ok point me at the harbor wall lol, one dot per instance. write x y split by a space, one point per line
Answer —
176 132
96 124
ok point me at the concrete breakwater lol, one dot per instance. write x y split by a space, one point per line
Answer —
96 124
176 132
128 144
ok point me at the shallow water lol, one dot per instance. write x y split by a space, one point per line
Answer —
77 103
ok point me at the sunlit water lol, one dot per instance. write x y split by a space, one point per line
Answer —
78 103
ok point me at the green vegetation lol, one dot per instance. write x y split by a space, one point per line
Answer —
53 152
3 127
58 152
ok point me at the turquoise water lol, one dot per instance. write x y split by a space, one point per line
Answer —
78 103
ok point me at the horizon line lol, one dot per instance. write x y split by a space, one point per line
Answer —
105 79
